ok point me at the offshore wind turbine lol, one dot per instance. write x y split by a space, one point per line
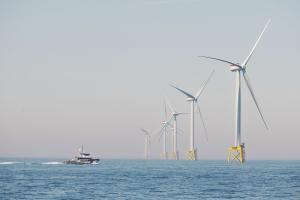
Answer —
237 152
192 152
174 115
164 134
147 143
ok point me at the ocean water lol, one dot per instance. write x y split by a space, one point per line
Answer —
151 179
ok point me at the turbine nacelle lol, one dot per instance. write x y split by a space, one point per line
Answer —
236 67
190 99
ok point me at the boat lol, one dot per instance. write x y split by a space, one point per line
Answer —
83 158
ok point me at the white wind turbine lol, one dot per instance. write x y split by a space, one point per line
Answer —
164 134
147 142
192 152
241 69
174 115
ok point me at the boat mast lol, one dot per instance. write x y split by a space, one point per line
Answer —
81 150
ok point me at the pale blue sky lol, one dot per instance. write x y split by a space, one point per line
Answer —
94 72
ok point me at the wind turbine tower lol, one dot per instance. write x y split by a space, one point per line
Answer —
192 152
147 143
237 152
164 154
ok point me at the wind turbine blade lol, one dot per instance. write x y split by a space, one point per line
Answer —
228 62
180 131
164 130
204 85
169 125
161 131
169 105
184 92
145 131
256 43
182 113
253 96
165 109
203 123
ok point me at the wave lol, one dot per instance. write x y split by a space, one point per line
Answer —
52 163
8 163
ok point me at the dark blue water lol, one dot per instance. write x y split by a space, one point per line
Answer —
153 179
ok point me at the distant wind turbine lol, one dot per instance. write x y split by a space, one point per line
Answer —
147 142
174 115
192 152
238 150
164 133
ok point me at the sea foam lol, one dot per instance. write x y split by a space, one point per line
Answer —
8 163
52 163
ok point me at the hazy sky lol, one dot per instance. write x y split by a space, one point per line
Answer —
94 72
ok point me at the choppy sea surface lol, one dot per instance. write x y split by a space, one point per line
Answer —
151 179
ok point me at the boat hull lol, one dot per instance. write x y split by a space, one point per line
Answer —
82 162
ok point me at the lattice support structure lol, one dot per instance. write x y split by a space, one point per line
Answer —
236 154
192 154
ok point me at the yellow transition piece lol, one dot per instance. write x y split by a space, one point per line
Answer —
192 154
236 153
174 156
